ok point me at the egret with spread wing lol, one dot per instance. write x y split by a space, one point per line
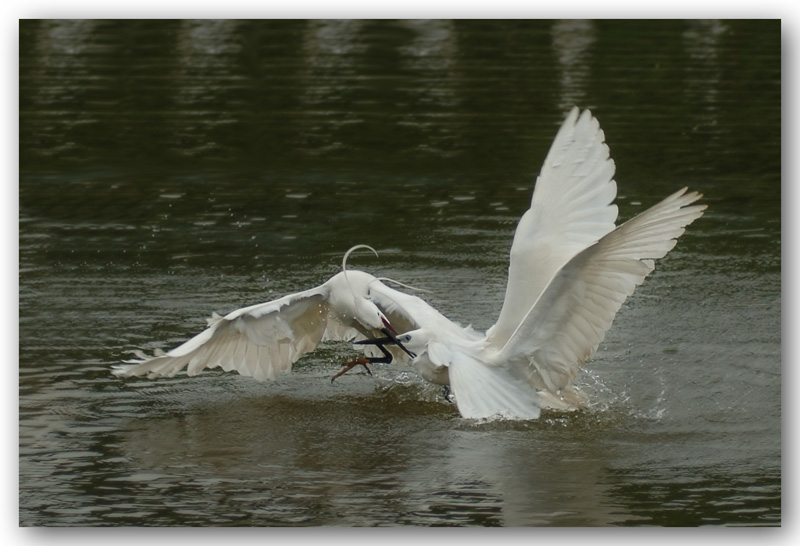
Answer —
570 271
264 340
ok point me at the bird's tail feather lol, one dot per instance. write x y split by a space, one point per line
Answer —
483 391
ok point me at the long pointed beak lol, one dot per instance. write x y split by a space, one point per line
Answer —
392 334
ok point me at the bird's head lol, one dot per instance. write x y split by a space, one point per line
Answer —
366 312
415 341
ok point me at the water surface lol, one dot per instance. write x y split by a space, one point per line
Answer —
169 169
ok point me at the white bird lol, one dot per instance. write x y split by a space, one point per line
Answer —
571 269
265 339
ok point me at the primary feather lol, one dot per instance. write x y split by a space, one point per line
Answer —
571 316
571 208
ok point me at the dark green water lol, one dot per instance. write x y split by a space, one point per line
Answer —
170 169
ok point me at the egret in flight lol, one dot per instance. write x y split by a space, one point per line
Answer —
571 269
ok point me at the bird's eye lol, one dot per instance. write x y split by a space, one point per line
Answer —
406 338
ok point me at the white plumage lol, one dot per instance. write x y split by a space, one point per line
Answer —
264 340
570 271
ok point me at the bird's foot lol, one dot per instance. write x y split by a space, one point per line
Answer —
360 361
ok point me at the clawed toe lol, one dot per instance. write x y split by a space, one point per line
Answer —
360 361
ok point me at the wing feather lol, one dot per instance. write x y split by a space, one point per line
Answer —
571 209
569 320
260 341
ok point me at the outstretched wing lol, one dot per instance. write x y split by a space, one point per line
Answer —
261 341
570 210
570 318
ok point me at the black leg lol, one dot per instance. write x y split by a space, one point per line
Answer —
379 343
364 360
390 338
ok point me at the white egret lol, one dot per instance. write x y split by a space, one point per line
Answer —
265 339
571 269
